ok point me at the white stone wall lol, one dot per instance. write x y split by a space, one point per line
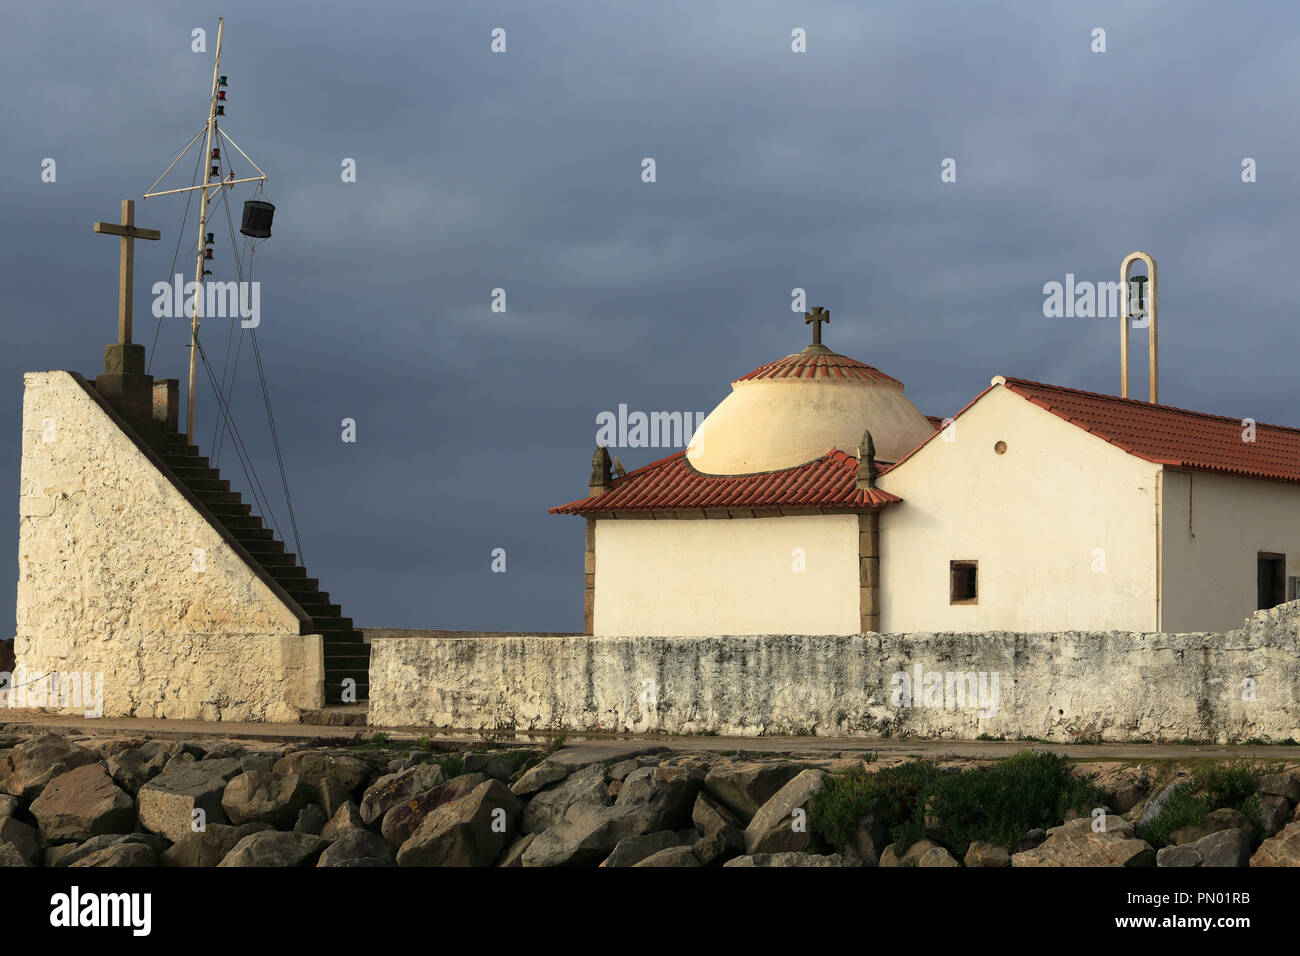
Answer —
108 580
727 575
1115 685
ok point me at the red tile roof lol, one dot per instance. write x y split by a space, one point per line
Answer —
936 421
815 366
671 484
1173 436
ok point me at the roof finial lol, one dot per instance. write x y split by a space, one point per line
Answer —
601 472
816 317
867 470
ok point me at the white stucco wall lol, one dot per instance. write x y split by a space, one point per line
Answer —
107 580
1034 518
727 575
1213 541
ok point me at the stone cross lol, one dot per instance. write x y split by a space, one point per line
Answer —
129 232
817 316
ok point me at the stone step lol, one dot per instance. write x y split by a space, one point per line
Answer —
242 522
321 609
197 485
331 623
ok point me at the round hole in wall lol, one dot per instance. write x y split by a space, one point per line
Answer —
1061 712
1000 448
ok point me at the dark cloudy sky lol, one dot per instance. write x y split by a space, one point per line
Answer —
522 171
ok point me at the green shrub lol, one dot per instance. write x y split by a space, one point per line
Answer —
1211 786
891 792
1181 807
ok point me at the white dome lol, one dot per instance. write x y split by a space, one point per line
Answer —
795 410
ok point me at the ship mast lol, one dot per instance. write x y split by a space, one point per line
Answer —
203 229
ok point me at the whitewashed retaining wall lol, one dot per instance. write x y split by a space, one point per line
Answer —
1224 687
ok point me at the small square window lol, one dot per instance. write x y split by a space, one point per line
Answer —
963 578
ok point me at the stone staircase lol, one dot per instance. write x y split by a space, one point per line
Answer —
346 653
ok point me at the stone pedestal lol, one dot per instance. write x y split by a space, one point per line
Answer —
166 402
124 384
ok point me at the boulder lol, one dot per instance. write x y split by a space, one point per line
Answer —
1225 848
983 853
587 835
667 792
209 847
1222 819
263 796
514 855
311 819
789 859
548 807
538 778
570 759
1280 850
11 856
401 822
620 770
131 769
1274 811
119 854
73 852
332 778
82 803
179 760
1031 839
712 820
911 857
744 786
781 825
632 850
347 819
394 788
936 856
22 838
168 801
672 856
492 764
355 846
1281 785
28 767
470 831
1178 855
1076 844
1154 806
273 848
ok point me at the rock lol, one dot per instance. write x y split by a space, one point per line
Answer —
260 760
54 855
168 801
470 831
620 770
911 857
1274 811
10 856
713 820
259 795
1281 785
1178 855
28 767
1075 844
180 760
777 826
358 845
1280 850
333 778
401 822
1225 848
632 850
311 819
22 838
672 856
394 788
547 808
743 787
538 778
131 769
789 859
208 847
83 803
983 853
73 852
1153 808
272 848
160 748
715 849
1222 819
119 854
514 855
495 765
347 819
587 835
868 840
221 750
937 856
667 792
1031 839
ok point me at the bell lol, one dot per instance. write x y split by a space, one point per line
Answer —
221 81
207 272
216 153
207 254
216 171
257 219
208 239
221 110
221 94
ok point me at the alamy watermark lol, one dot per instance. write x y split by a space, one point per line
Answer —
1089 300
220 300
948 690
626 429
82 691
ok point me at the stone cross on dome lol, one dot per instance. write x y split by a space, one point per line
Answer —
816 317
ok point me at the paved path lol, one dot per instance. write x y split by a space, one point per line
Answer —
849 745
